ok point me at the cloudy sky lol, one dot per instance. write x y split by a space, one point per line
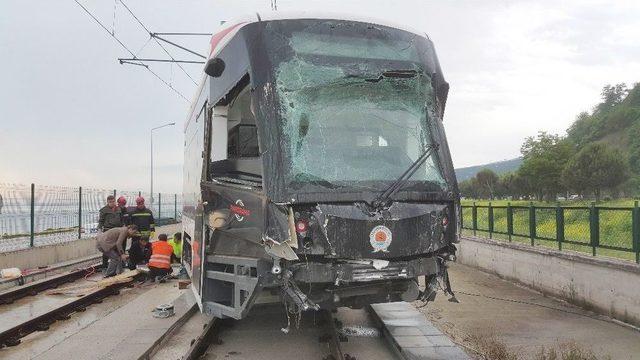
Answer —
71 115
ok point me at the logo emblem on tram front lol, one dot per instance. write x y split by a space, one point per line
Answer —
239 210
380 238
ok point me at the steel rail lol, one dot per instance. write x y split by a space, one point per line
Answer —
332 337
31 289
12 336
200 345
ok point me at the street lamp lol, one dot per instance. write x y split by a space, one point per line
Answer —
155 128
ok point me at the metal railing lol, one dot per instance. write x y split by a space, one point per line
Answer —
34 215
609 231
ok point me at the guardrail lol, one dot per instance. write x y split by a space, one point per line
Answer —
610 231
33 215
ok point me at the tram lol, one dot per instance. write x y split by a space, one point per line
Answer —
316 167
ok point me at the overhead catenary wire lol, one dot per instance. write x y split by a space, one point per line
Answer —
162 60
128 50
183 34
156 40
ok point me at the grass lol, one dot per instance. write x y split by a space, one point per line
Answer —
615 225
489 347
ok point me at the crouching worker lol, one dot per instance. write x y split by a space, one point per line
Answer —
111 244
176 244
139 252
160 261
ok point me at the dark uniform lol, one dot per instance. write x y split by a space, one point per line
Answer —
108 219
124 215
139 254
143 219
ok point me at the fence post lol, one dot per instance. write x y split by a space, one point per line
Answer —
79 212
175 207
509 220
159 205
490 214
636 231
139 193
114 192
33 215
532 223
594 227
559 225
474 215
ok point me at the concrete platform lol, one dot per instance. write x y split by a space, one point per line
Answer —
522 320
122 327
413 336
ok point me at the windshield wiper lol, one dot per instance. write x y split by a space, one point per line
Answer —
396 185
397 73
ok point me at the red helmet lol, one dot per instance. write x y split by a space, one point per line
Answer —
122 201
139 200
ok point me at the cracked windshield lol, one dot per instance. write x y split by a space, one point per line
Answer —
342 100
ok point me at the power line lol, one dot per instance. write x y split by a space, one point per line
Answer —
163 60
128 50
156 40
155 36
183 33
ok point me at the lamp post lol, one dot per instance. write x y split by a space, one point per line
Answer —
155 128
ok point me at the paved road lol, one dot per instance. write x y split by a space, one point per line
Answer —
492 310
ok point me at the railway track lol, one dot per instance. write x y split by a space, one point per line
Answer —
320 336
32 289
13 335
380 332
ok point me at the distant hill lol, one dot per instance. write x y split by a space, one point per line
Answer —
614 122
499 167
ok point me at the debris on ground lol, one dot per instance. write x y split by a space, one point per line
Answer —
10 273
84 289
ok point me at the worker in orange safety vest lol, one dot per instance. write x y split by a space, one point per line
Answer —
160 261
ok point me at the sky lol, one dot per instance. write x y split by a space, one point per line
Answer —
70 114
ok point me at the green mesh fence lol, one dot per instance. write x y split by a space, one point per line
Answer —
605 231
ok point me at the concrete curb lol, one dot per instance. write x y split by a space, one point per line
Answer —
412 336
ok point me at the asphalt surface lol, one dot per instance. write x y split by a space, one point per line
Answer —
524 321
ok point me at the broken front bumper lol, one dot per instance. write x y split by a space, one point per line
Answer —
362 270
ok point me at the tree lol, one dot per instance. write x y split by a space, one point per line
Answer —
582 129
544 159
634 148
514 185
595 168
487 181
613 95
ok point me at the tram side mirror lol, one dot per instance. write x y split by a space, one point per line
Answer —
214 67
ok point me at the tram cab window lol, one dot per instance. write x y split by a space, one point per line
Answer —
242 140
237 155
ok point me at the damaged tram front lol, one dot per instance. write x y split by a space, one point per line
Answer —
317 168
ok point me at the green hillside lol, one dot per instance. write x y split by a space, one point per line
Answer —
599 157
499 167
614 122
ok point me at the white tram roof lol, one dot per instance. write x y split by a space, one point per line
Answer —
227 30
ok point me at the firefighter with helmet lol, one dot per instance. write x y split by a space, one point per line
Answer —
124 212
142 217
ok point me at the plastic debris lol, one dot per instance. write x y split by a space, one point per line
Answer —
163 311
10 273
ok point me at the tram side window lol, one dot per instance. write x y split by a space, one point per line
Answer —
242 141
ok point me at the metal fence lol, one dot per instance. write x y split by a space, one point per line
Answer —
34 215
609 231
